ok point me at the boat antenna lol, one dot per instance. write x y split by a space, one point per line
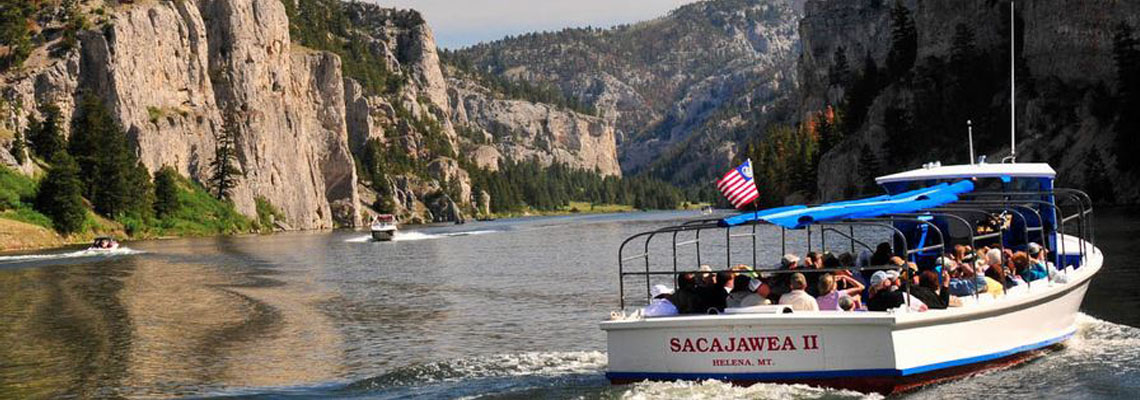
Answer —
970 129
1012 89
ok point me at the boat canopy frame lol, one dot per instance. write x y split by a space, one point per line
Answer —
986 204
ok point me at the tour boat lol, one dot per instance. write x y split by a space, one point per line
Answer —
103 243
925 212
384 227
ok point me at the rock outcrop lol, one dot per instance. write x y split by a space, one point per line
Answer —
677 87
522 130
1066 59
169 70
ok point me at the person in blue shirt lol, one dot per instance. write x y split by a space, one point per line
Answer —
661 305
1028 270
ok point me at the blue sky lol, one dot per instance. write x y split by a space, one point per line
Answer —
459 23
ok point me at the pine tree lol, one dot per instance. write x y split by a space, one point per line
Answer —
108 165
1099 186
868 169
47 135
904 42
14 32
166 192
224 172
18 149
60 195
89 130
839 74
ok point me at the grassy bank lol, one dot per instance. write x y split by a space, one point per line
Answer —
196 213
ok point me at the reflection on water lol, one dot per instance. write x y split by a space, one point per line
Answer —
511 312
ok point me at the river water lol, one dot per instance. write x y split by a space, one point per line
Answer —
503 309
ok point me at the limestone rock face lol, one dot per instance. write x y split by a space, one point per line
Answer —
168 70
523 130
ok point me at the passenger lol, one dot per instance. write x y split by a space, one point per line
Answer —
829 299
686 298
708 278
713 295
1028 270
846 304
929 292
763 294
798 298
1041 256
882 297
964 281
996 270
726 281
816 262
779 283
748 293
882 254
661 305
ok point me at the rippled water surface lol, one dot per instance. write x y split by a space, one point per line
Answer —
504 309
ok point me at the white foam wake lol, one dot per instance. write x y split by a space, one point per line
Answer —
410 236
713 389
122 251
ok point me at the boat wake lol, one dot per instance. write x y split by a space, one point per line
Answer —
81 254
411 236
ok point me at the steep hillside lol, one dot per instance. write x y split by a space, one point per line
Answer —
334 108
904 104
682 90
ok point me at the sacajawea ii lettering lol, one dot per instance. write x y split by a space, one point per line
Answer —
733 344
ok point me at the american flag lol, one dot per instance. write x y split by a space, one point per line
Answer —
738 185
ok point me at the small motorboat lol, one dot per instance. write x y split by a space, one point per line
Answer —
707 210
104 243
384 227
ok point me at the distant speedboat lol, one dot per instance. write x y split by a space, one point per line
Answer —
707 210
104 243
384 227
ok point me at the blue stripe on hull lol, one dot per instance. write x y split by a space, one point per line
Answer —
853 373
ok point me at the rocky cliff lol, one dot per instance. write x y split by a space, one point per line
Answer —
683 90
1066 76
170 71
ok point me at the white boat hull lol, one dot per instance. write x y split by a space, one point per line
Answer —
383 235
867 351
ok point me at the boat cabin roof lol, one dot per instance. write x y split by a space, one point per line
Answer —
983 170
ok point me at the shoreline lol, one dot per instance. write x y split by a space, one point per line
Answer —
33 238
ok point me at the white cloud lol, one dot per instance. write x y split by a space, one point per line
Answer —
459 23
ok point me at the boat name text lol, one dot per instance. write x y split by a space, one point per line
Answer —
743 344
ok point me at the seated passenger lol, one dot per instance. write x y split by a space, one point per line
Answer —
846 304
779 282
883 298
748 292
828 286
1041 256
1028 270
994 278
686 298
661 305
763 294
965 282
798 298
712 295
995 262
929 292
742 269
739 291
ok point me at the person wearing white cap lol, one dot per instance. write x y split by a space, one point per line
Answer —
660 305
748 292
1041 256
883 295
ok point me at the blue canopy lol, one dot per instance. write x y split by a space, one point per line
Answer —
798 216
